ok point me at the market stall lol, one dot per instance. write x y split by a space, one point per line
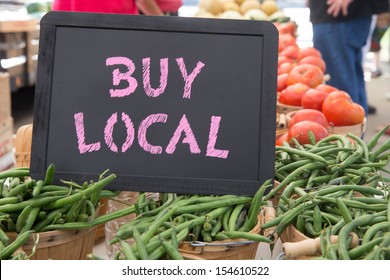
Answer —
238 143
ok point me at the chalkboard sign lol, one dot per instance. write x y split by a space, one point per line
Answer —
168 104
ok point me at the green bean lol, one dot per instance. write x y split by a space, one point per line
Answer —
114 215
374 140
374 229
358 251
50 218
14 172
246 235
215 213
317 220
96 187
49 174
92 210
288 217
139 243
19 189
368 200
359 141
170 198
344 232
75 210
206 236
53 188
213 204
31 218
21 239
9 200
383 148
362 189
290 187
302 153
4 238
225 218
217 227
171 251
127 250
344 211
355 204
293 165
22 218
126 233
38 188
233 217
309 228
21 205
166 214
68 226
292 176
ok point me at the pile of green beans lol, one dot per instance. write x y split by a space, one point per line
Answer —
374 244
157 231
332 187
29 205
335 160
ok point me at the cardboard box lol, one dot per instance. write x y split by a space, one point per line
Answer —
5 97
6 136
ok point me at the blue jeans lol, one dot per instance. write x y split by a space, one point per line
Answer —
341 46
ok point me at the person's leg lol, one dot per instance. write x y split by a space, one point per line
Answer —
341 47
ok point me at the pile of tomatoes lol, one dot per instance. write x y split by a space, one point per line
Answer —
301 83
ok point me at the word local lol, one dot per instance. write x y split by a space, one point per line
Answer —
183 126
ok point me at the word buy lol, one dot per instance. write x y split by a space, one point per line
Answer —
183 127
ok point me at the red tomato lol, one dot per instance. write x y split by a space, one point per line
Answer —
291 52
340 110
313 99
292 94
280 139
326 88
285 67
282 59
308 51
315 60
300 131
308 115
282 81
286 27
308 74
286 40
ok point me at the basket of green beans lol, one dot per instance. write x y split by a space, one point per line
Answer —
46 219
329 186
199 226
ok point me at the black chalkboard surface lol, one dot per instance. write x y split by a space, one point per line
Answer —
168 104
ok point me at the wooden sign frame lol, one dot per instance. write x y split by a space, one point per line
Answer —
260 85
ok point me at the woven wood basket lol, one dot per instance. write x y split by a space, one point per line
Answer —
230 249
284 109
357 129
59 244
23 142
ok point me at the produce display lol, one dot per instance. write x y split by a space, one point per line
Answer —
158 231
301 85
28 206
329 200
241 9
331 188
